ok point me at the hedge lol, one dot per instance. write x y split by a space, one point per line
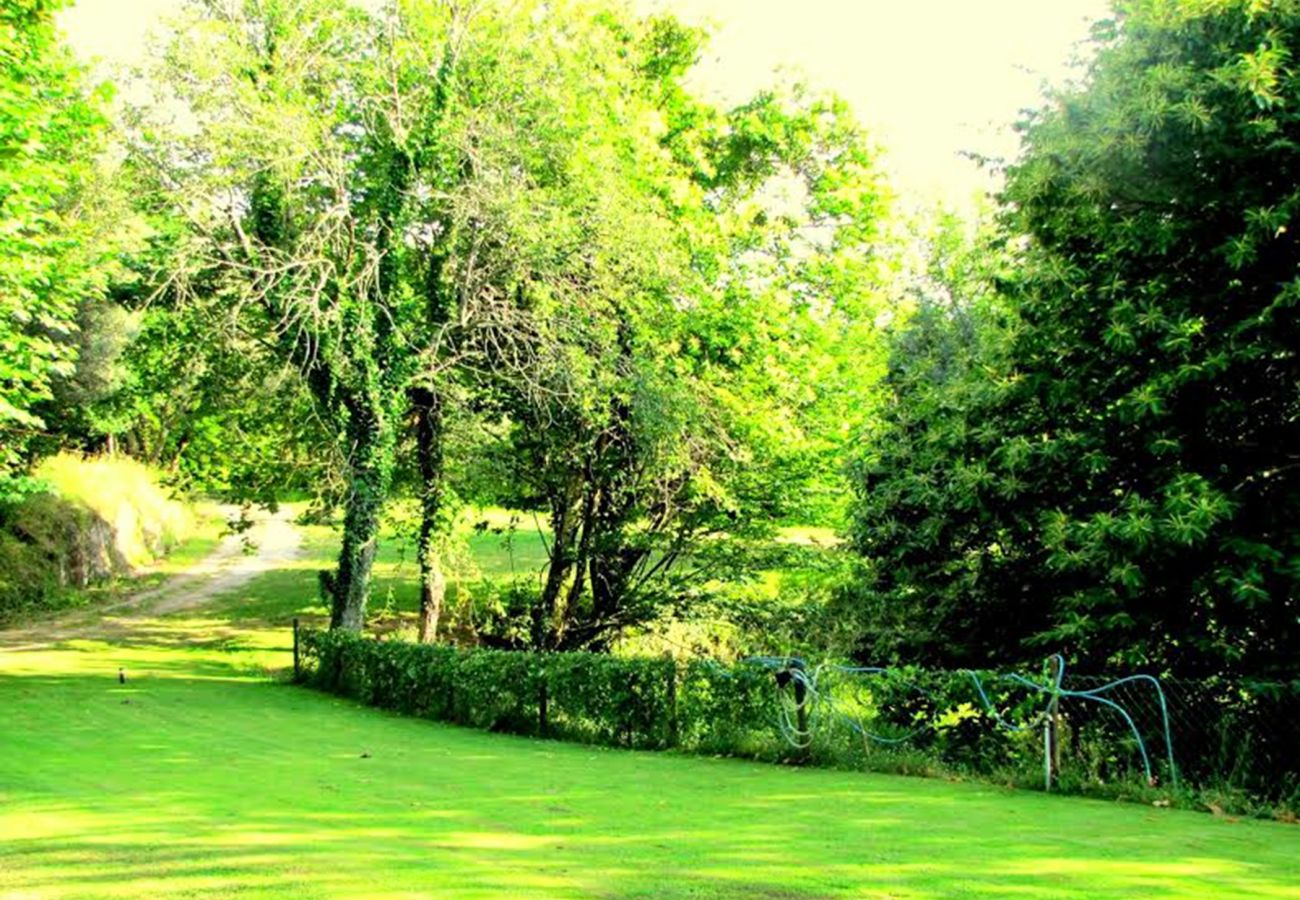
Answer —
635 702
657 703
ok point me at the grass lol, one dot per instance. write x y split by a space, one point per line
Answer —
203 776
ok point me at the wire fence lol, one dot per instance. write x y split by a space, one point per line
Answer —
1241 735
1240 738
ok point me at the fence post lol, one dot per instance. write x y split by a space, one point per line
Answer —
801 714
673 733
297 666
543 713
1052 726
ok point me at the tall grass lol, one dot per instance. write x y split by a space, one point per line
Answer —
98 519
146 520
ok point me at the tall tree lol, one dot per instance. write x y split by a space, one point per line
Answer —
698 399
294 170
1129 486
55 252
934 586
371 195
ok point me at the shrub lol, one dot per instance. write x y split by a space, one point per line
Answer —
643 702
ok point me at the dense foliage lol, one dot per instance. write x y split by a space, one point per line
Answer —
619 701
55 253
500 254
714 411
434 212
1107 464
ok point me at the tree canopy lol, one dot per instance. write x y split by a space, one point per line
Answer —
435 253
439 198
55 251
1109 466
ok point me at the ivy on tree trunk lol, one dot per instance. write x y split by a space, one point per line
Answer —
370 473
429 449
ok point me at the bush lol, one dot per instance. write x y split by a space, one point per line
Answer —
728 710
641 702
655 702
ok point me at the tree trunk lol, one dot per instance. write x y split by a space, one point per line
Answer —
369 470
587 526
429 450
547 631
433 587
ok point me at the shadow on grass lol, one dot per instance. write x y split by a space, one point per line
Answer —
172 786
201 777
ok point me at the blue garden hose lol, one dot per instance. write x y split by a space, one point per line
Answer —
800 673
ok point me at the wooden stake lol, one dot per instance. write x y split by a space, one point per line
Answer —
1052 727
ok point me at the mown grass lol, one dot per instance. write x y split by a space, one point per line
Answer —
203 776
480 560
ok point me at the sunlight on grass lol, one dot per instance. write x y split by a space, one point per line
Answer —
1189 868
808 535
202 777
206 531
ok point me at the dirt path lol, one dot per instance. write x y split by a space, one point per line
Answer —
276 539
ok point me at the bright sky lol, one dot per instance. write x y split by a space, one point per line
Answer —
929 78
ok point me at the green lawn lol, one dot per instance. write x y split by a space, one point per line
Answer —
203 776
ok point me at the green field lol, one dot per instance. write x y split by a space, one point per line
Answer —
204 776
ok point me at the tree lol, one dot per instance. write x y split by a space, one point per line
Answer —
933 585
1128 483
695 403
293 179
55 252
374 197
